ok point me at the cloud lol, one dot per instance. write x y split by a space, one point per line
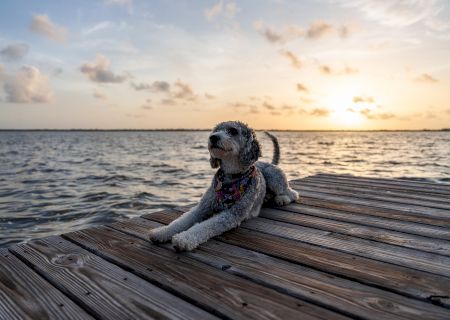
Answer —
118 2
376 116
289 32
97 27
295 61
28 85
1 69
42 25
209 96
325 69
319 112
168 102
319 29
396 13
427 78
147 107
227 9
363 99
14 51
268 106
183 91
156 86
99 71
99 95
302 88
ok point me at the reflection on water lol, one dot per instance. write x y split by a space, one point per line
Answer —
53 182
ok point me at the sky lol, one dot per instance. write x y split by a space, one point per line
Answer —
274 64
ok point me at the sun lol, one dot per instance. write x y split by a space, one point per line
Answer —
344 111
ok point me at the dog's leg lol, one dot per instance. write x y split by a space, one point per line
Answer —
248 207
185 221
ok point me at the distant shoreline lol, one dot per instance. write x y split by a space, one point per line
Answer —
197 130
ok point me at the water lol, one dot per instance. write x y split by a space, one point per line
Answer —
54 182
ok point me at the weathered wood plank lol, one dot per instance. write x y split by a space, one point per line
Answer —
215 290
25 295
435 191
396 278
381 222
107 291
393 181
373 211
345 296
407 209
373 190
410 258
366 232
355 193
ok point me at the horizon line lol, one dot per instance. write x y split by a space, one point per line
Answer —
200 129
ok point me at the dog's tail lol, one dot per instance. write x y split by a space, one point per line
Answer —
276 148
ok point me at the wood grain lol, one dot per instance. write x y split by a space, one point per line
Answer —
358 193
348 297
373 211
396 278
367 220
224 294
416 242
25 295
107 291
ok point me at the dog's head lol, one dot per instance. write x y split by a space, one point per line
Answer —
233 142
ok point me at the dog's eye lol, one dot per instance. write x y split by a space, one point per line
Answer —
232 131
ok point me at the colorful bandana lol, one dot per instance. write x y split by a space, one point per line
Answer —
230 192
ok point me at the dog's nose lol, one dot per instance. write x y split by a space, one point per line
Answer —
214 139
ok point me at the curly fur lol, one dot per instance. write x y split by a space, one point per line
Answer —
233 147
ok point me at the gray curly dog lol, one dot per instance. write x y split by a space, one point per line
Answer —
237 191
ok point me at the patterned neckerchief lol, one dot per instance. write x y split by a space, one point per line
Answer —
232 191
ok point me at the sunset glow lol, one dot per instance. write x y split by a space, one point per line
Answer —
304 65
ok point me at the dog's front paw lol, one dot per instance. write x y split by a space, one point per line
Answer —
159 235
182 242
282 200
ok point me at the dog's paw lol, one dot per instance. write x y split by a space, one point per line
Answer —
159 235
282 200
181 242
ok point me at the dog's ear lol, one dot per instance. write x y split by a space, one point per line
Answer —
214 162
252 152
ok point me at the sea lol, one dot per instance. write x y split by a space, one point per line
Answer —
52 182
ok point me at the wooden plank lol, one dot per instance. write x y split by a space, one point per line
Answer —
371 190
225 294
363 219
107 291
393 181
348 297
357 193
425 244
410 258
373 211
25 295
399 279
407 209
435 192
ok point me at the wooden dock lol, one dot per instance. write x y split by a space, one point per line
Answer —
352 247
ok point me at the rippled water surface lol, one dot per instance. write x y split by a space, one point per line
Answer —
53 182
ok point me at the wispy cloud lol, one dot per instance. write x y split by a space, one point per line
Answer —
369 114
319 29
302 88
28 85
14 51
227 9
146 107
119 2
426 78
97 27
294 60
42 25
319 112
328 70
268 106
156 86
209 96
396 13
99 71
363 99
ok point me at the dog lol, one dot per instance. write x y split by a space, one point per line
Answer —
238 190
